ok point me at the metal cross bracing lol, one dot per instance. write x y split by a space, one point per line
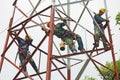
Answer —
52 63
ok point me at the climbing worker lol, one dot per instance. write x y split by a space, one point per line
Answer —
99 28
67 36
24 53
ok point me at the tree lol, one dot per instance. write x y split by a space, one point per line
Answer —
88 78
108 74
117 18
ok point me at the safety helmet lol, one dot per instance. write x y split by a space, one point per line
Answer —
48 24
27 37
62 46
102 10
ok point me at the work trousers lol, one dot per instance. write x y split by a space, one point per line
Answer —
23 58
100 34
69 41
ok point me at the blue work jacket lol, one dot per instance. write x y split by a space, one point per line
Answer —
23 45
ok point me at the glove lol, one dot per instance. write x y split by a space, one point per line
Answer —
107 20
64 20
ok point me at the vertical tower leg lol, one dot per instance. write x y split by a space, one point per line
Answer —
50 45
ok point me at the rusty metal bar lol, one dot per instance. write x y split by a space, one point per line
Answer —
111 44
28 76
59 71
50 43
30 18
96 66
7 38
77 53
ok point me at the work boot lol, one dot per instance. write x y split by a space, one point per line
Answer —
73 49
37 71
82 50
106 48
96 44
20 65
25 72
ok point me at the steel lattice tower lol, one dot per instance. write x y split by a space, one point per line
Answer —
52 63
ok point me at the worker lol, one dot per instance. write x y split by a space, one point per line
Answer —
67 36
99 28
24 53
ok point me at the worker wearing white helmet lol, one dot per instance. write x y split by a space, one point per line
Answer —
99 28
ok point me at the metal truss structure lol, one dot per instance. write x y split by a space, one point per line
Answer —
52 63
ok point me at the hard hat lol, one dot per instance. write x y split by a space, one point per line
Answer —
62 46
102 10
27 37
48 24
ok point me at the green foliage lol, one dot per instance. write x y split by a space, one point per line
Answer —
117 18
108 74
88 78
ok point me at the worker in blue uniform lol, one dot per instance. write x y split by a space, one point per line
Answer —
99 28
67 36
24 53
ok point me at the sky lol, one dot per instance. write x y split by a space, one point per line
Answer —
6 8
